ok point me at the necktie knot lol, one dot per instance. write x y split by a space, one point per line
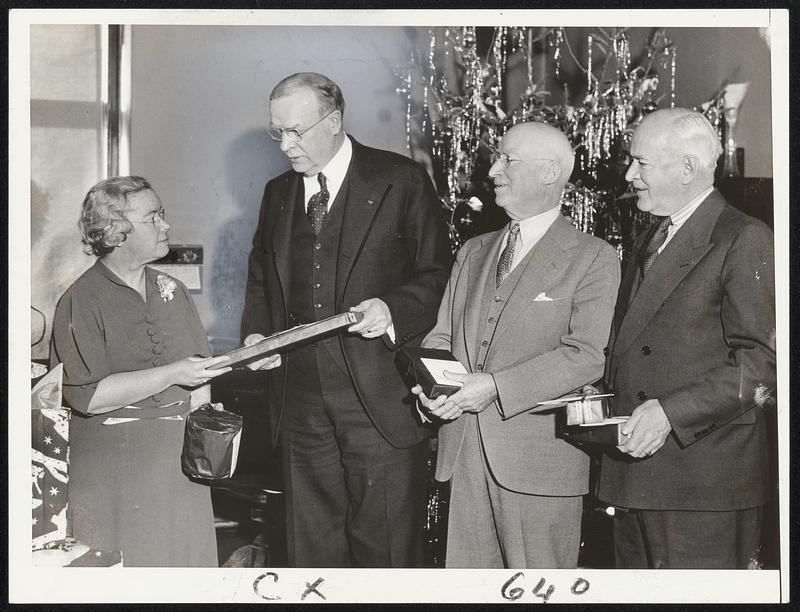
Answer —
318 204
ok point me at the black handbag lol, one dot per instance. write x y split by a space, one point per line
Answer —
211 443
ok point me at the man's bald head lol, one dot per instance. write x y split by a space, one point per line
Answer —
544 141
540 162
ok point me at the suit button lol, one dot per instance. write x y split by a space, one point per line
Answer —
317 285
485 343
479 367
497 298
641 396
606 351
151 331
317 305
491 320
318 246
316 265
646 350
157 397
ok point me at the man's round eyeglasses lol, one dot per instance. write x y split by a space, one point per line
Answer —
506 160
293 134
160 216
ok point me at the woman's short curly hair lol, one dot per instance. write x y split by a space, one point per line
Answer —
103 223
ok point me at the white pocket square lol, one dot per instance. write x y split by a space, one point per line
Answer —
542 298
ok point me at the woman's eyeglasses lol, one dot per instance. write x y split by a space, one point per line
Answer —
160 216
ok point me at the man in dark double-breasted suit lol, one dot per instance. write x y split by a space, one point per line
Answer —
692 361
348 228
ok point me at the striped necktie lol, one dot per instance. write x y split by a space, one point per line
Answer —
658 238
507 256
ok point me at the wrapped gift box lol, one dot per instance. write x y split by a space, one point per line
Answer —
49 460
211 443
72 553
607 431
587 410
426 367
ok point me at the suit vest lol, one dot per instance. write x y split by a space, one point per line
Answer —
313 262
493 302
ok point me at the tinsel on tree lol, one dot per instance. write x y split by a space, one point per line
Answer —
458 101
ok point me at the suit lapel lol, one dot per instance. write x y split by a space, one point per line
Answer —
632 277
677 259
289 197
365 195
542 265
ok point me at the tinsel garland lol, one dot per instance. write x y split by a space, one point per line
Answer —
458 99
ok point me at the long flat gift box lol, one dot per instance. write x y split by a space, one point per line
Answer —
580 408
425 366
288 339
608 431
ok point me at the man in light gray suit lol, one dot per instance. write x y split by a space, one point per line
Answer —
527 311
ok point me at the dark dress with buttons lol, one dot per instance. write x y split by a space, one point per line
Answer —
126 489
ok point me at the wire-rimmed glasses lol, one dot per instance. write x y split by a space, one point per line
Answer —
294 134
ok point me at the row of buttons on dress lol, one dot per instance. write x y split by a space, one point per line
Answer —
158 348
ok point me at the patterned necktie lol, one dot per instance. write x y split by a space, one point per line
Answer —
318 205
658 238
507 256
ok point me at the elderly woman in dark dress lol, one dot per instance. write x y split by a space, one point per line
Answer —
136 363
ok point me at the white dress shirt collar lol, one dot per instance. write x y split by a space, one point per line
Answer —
681 216
531 231
335 171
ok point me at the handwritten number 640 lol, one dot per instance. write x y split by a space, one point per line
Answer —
579 587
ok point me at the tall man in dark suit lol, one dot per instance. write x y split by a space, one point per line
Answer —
527 312
692 362
348 228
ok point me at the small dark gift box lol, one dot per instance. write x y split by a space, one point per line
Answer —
211 443
409 360
608 431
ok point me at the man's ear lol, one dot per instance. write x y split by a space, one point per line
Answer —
336 121
689 169
552 172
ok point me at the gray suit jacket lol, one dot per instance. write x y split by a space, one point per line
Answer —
548 341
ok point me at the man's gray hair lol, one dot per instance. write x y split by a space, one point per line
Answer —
692 134
328 93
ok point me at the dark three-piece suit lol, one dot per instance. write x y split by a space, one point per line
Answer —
353 448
